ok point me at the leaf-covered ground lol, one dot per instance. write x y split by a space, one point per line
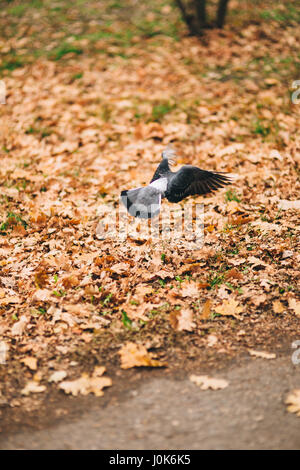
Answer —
95 91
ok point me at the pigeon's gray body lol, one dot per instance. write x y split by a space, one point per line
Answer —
175 186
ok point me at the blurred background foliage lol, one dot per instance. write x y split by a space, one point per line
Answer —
62 29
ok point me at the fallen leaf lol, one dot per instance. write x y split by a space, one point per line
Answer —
284 205
295 305
233 274
136 355
42 295
30 362
33 387
229 308
262 354
41 279
10 299
211 340
287 254
206 311
259 299
57 376
278 307
293 402
256 261
120 268
87 384
189 289
182 320
205 382
70 281
19 327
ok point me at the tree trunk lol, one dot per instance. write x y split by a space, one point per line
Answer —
189 19
194 14
222 9
201 12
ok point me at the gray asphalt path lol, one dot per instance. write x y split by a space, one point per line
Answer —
175 414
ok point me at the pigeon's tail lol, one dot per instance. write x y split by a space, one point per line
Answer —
142 202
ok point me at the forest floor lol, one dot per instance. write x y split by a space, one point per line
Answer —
94 93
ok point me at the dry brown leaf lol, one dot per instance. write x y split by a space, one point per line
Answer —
206 311
293 402
259 299
286 205
138 312
182 320
205 382
233 207
57 376
211 340
262 354
295 305
189 289
256 261
30 362
120 268
136 355
42 295
234 274
229 308
33 387
10 299
87 384
70 281
41 279
278 307
19 327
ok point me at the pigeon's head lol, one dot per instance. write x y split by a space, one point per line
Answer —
169 154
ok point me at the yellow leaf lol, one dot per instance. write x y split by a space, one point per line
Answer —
293 402
136 355
278 307
30 362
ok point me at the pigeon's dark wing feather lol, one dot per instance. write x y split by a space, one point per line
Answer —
190 180
142 202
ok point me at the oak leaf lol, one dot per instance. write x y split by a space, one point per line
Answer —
136 355
229 308
205 382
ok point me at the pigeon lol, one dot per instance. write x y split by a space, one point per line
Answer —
189 180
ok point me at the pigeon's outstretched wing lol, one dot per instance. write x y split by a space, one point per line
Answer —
142 202
190 180
168 157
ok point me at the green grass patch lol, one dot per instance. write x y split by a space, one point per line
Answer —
160 110
65 49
